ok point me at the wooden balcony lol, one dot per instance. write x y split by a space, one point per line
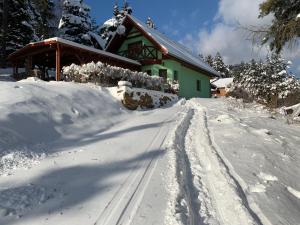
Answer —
142 53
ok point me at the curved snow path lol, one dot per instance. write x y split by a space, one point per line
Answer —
210 193
123 206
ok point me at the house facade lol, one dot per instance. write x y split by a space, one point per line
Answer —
161 56
139 48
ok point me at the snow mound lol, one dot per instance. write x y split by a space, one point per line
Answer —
43 113
31 79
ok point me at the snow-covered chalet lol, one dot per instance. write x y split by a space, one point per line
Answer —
139 48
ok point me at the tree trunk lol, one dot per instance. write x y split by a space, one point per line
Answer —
3 40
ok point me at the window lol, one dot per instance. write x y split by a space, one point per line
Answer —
198 85
163 73
135 49
149 72
175 75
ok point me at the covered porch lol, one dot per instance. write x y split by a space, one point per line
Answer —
45 59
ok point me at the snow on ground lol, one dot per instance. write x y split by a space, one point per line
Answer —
259 153
71 154
78 157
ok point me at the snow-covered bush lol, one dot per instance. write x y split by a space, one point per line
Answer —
269 82
172 86
108 75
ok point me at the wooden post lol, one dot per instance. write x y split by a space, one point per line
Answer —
58 55
28 66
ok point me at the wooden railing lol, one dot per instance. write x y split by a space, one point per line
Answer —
143 53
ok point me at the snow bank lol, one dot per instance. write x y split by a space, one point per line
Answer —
35 114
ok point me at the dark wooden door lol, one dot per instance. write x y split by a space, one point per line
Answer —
163 73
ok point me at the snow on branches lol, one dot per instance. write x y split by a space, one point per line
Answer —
110 75
266 81
76 23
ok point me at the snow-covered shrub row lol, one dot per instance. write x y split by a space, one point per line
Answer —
172 86
266 82
110 75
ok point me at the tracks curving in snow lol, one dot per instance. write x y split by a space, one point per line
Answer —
125 202
208 191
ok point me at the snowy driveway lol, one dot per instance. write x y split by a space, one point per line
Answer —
245 164
99 183
99 157
70 154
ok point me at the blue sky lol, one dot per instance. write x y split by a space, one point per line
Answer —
175 18
205 26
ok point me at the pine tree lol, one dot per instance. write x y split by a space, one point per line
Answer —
285 26
126 9
201 56
116 10
43 14
108 29
209 60
16 27
266 81
220 66
76 23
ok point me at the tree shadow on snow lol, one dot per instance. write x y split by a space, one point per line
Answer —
30 129
73 186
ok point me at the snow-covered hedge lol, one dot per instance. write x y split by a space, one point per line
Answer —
268 82
108 75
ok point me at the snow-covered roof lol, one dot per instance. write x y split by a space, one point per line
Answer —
174 48
91 49
222 82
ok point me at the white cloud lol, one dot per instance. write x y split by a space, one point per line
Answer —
243 11
225 37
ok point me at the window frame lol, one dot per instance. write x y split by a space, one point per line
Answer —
198 85
175 75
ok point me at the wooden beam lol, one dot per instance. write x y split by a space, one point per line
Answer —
58 59
28 65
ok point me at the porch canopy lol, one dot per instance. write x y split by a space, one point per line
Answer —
58 52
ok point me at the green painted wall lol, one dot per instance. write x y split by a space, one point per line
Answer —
187 77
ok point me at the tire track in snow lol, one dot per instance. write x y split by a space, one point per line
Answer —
239 189
188 204
222 198
240 186
125 202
